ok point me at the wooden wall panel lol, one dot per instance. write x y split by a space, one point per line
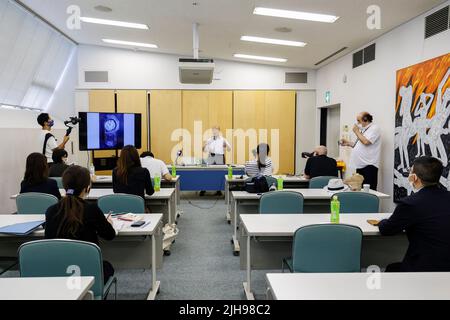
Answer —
165 118
196 121
221 114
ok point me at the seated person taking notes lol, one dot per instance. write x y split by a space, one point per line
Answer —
36 177
320 164
75 219
262 165
59 163
425 216
129 177
155 166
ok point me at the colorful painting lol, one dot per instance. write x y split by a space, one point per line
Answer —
422 114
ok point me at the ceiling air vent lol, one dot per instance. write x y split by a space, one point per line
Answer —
364 56
437 22
96 76
296 77
331 56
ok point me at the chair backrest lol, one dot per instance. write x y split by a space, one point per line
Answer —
62 258
34 203
328 248
320 182
281 202
58 182
358 202
121 203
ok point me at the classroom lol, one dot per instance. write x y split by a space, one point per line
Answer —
217 150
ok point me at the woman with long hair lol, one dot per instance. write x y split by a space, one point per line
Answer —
129 177
74 218
262 165
36 177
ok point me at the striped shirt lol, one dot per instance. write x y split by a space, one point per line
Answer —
252 170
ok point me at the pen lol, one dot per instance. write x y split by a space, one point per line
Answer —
124 219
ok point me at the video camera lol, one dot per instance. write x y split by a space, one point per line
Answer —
307 155
73 121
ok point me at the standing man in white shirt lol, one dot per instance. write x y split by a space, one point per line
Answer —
155 166
216 146
47 140
366 150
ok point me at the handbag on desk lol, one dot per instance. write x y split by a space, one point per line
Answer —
257 184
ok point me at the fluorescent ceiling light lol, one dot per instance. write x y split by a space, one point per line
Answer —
246 56
128 43
295 15
274 41
115 23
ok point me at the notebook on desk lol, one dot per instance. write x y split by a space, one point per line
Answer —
22 229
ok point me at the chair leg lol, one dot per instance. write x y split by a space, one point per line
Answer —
115 290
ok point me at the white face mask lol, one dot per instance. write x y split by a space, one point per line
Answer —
415 190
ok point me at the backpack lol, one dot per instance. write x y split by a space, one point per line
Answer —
257 184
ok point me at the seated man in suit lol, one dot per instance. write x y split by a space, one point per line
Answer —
320 164
425 216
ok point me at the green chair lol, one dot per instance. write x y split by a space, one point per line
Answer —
358 202
58 181
34 203
64 258
287 202
121 203
327 248
320 182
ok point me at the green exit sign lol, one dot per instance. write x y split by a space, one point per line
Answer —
327 97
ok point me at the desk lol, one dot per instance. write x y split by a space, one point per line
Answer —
290 182
133 248
315 201
105 182
275 235
205 178
161 201
353 286
44 288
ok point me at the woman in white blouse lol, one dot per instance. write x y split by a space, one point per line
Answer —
262 165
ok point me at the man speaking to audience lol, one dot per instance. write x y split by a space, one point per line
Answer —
47 140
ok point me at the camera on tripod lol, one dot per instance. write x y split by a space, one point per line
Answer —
73 121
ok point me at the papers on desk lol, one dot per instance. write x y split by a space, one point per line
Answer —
22 229
124 221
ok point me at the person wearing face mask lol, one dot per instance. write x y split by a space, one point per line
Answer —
425 217
365 157
59 163
75 219
47 140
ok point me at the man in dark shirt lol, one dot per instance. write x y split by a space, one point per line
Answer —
320 165
425 216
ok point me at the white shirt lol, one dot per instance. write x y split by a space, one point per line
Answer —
217 145
367 155
156 167
49 147
252 169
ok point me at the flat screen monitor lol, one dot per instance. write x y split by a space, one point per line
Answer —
109 131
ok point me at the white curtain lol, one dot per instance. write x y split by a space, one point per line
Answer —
33 57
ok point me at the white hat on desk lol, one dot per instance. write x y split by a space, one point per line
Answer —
336 185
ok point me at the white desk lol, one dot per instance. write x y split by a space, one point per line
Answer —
276 233
44 288
353 286
315 201
133 248
290 182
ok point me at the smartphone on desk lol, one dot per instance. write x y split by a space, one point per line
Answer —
138 224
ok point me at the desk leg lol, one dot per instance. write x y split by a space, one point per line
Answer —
236 247
169 209
227 200
248 284
155 284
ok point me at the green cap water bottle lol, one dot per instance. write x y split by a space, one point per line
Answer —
280 183
174 171
230 172
157 183
335 208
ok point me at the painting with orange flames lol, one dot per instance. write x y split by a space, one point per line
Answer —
422 114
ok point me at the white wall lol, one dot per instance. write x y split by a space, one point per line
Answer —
371 87
143 70
306 127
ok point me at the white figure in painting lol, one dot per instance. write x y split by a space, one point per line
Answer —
406 131
422 123
402 182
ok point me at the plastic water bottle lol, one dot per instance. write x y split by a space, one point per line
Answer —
280 183
230 172
157 182
174 171
92 170
335 208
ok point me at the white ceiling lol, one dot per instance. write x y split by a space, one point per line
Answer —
223 22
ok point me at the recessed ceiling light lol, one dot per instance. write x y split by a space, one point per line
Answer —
129 43
295 15
103 8
115 23
246 56
274 41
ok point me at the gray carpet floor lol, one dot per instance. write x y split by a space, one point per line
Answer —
201 266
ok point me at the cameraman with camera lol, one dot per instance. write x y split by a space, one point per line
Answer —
47 139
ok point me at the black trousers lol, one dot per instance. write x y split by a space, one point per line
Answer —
370 174
108 271
394 267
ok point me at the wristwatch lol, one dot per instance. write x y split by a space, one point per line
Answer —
111 126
